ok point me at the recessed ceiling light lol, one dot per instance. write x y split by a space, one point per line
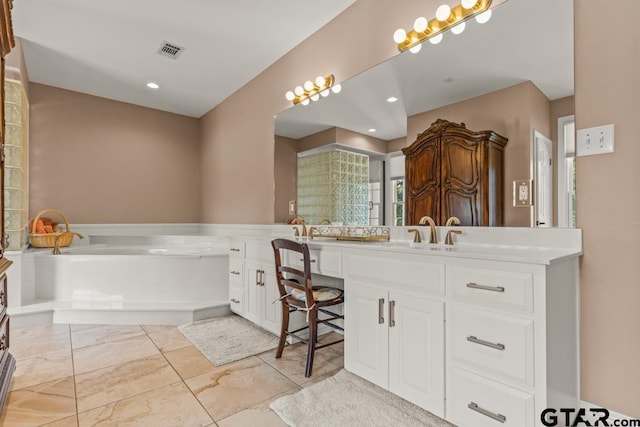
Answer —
392 99
153 85
372 130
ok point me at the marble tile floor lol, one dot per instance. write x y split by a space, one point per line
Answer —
137 375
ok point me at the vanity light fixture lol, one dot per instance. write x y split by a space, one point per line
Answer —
152 85
313 90
446 17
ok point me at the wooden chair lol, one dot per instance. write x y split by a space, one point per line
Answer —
298 294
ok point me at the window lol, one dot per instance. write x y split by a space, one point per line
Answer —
397 204
566 172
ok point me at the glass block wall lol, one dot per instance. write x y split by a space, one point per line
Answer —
334 185
16 165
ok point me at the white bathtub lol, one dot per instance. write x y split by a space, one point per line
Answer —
156 275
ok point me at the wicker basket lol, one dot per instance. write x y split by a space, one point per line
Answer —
51 240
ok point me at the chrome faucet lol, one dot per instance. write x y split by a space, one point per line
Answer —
297 220
433 237
454 220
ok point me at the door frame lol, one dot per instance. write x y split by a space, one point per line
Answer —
536 180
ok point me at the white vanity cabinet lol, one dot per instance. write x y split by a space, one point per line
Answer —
260 288
236 276
394 325
512 341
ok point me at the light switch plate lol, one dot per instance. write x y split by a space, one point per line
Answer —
596 140
522 193
292 207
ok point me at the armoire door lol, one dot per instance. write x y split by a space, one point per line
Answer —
423 182
461 192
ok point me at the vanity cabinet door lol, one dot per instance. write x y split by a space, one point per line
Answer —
252 293
271 311
416 350
260 293
366 333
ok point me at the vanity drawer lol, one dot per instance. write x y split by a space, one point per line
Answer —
259 250
474 401
236 248
236 300
327 262
235 271
492 344
495 288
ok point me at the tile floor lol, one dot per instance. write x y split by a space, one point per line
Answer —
86 375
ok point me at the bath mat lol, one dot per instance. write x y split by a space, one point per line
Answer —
227 339
348 400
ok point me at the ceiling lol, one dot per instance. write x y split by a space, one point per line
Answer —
108 48
524 40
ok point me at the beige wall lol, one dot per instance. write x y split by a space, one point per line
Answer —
606 91
514 113
16 67
103 161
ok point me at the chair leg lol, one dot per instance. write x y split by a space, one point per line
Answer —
313 339
283 330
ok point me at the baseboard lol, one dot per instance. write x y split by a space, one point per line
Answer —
613 415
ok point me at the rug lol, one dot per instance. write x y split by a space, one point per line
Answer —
348 400
227 339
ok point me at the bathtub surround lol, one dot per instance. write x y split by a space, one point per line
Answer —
227 339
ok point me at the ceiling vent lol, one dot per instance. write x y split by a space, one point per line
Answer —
170 50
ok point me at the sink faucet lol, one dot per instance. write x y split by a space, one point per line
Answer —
416 237
454 220
297 220
449 239
433 238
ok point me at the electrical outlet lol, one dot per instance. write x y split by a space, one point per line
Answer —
596 140
292 207
522 193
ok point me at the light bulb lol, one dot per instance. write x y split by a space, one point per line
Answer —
308 85
372 130
443 13
298 90
437 39
458 29
336 88
325 92
468 4
400 35
420 25
416 48
320 81
305 101
152 85
290 96
484 17
315 97
392 99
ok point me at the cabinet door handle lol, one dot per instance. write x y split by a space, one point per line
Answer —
257 277
498 417
261 277
485 288
475 340
235 301
237 273
311 260
392 314
381 311
235 250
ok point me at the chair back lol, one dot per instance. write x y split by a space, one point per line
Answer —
288 277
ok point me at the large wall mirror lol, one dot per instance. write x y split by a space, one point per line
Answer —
512 75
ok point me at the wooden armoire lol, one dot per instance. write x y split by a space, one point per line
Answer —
453 171
7 362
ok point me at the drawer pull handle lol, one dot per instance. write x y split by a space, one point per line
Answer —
485 288
381 311
475 340
237 273
235 250
311 260
498 417
235 301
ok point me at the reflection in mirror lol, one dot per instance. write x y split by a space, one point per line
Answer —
509 75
